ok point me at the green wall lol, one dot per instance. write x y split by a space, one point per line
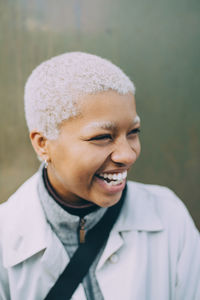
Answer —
156 42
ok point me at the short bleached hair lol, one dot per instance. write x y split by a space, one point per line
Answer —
54 87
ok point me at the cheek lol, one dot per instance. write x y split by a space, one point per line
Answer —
138 147
85 163
90 163
78 162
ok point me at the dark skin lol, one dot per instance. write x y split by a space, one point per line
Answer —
102 140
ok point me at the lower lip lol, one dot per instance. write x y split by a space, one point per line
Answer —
111 189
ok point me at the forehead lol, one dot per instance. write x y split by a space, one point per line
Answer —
106 101
106 110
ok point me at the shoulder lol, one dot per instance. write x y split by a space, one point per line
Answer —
158 205
163 197
18 200
155 191
169 208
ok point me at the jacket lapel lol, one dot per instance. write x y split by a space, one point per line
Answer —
29 233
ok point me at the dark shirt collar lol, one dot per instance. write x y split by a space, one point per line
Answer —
74 210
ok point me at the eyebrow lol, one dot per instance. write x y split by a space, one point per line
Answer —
108 125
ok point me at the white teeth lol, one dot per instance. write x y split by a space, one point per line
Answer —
124 174
118 177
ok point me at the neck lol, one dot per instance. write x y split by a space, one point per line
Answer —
76 209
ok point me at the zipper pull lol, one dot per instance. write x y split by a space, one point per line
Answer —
82 231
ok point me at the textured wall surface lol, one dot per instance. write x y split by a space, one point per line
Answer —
157 43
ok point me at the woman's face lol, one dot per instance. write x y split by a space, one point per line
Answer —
90 158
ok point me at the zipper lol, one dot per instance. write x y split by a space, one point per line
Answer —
82 231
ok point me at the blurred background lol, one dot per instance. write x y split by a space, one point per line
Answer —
156 42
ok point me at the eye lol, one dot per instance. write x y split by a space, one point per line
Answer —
135 131
101 137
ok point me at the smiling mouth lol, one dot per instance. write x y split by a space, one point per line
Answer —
113 179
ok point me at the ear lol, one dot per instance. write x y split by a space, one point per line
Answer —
40 144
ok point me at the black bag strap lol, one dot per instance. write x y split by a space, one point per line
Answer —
84 256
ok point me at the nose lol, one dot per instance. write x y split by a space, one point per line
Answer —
125 153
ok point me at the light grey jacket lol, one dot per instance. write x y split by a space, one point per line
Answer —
153 252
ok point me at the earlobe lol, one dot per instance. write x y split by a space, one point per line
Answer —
39 143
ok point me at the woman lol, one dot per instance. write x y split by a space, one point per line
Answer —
77 226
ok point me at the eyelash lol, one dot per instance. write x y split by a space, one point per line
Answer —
108 136
136 130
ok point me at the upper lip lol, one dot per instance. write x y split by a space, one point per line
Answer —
113 171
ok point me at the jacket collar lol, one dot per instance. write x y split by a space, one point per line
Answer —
138 214
27 234
139 211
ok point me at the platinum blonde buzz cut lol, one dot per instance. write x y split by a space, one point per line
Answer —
54 88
